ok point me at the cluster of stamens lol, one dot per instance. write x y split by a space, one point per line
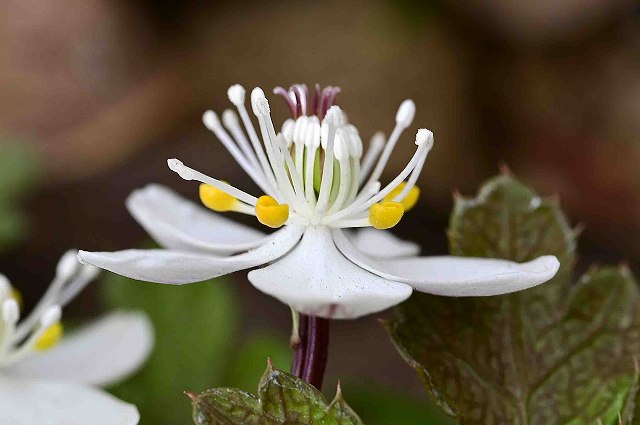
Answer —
41 329
313 171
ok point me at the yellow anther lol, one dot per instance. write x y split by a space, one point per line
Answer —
410 200
49 338
216 199
17 296
385 214
270 212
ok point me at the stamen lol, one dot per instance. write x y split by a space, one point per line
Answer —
232 123
216 199
333 119
49 337
10 316
409 199
66 269
355 207
17 296
191 174
50 317
5 286
295 177
386 214
211 121
10 311
409 194
375 147
68 265
404 117
73 288
270 213
344 186
262 111
236 95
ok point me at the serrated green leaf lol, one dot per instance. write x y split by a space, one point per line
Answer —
551 355
195 327
282 399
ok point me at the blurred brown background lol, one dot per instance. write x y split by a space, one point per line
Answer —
106 91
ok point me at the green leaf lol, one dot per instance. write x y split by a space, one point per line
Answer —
282 399
195 329
554 354
630 411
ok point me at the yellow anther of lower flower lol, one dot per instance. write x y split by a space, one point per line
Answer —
270 212
410 200
385 214
49 338
216 199
17 296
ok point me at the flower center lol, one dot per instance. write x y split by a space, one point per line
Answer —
313 171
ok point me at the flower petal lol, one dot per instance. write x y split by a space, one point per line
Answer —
382 243
179 267
177 223
101 353
455 276
316 279
26 402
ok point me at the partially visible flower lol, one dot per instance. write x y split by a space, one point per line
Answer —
48 379
318 185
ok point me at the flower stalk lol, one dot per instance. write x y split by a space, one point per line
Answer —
311 353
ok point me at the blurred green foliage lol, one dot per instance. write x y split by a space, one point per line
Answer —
381 406
197 345
19 172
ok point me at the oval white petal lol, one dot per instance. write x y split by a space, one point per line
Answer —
177 223
100 353
316 279
179 267
455 276
26 402
382 243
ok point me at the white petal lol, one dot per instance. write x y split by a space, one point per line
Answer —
382 243
316 279
177 223
100 353
179 267
455 276
25 402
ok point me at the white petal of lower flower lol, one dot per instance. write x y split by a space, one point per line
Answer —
316 279
26 402
177 223
179 267
455 276
100 353
382 243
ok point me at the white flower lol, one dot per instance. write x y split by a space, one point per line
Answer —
49 383
318 184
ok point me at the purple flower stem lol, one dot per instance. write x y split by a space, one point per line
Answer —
300 349
311 354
